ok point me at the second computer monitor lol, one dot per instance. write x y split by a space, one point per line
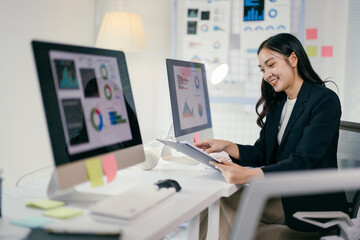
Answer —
189 100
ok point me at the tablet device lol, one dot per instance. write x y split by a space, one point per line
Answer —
191 151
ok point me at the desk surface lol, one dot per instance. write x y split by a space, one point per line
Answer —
200 188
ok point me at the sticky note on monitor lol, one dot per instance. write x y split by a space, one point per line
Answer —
94 171
196 137
110 167
62 212
45 204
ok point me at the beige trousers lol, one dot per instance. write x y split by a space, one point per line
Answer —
270 227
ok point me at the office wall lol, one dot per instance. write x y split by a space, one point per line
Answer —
351 107
24 142
331 33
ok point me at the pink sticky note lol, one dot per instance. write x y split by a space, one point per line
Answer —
326 51
110 167
196 137
311 34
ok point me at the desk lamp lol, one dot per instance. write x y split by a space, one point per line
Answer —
219 73
122 31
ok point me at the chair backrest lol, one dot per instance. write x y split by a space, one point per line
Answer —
349 157
349 145
286 184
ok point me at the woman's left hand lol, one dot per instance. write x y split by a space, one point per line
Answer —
236 174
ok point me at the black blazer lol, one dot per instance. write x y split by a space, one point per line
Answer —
309 142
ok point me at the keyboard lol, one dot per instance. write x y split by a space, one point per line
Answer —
131 203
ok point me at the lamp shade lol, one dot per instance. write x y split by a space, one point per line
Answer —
219 73
121 31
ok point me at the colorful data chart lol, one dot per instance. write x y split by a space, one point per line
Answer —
197 82
66 74
104 71
117 91
89 82
200 110
115 118
187 112
107 92
182 82
96 119
253 10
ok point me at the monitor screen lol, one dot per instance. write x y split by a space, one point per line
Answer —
89 107
189 99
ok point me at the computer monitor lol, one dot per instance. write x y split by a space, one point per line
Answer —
189 100
89 108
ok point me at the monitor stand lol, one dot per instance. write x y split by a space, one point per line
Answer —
170 154
71 195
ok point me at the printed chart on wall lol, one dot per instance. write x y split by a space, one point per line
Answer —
262 19
91 100
207 31
190 97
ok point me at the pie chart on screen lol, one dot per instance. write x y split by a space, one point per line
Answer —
96 119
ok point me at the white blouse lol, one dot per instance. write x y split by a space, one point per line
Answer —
285 116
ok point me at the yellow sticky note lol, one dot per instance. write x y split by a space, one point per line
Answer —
62 212
45 204
94 171
311 51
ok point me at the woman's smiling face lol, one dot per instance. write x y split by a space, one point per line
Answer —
278 70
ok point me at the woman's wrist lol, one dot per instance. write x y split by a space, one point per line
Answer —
232 149
255 173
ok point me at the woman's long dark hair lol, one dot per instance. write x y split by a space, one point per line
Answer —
285 44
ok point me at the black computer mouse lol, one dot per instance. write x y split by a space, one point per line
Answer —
167 183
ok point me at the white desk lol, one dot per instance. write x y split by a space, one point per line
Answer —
201 188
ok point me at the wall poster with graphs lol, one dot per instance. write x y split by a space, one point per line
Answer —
205 37
260 20
91 100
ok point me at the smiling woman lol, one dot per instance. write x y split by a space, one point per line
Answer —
291 61
299 122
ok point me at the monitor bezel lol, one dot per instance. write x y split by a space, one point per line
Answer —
170 63
41 52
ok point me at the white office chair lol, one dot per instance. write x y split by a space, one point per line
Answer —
287 184
312 182
348 157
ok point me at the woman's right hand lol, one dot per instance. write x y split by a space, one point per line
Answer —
217 145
